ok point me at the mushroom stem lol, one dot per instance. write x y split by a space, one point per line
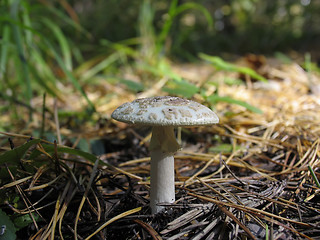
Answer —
162 180
162 147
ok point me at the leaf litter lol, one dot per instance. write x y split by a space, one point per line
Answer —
253 176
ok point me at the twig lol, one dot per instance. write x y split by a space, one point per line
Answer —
56 120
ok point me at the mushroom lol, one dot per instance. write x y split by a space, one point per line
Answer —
163 114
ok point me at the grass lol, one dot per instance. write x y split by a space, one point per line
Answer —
29 58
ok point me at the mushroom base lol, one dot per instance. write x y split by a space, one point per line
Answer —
162 180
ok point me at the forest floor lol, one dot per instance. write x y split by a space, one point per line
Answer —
252 176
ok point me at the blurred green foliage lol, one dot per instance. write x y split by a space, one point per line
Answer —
239 26
46 45
35 51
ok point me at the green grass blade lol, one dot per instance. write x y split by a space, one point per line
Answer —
44 82
87 75
25 16
168 23
162 69
4 49
25 78
220 64
60 149
314 176
196 6
14 155
18 23
267 232
70 76
62 16
182 88
175 10
224 148
65 49
43 69
213 99
131 85
123 47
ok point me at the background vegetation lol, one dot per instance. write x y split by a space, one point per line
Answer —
47 44
235 26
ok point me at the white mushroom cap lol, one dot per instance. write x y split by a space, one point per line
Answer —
165 111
